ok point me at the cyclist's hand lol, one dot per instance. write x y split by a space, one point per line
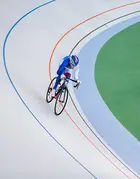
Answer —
78 84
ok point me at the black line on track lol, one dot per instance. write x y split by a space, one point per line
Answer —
73 100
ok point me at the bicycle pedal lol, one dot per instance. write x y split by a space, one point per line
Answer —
55 97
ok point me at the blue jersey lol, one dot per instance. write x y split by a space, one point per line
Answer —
64 65
66 70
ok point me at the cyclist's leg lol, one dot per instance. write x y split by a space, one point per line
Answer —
58 78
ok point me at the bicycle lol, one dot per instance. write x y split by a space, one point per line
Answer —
61 95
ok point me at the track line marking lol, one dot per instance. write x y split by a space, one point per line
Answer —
52 54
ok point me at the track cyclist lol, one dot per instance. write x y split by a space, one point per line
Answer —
65 71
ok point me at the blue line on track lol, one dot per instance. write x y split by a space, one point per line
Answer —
4 59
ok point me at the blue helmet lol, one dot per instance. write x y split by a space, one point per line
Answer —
74 60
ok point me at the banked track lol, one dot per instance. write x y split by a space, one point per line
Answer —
73 100
7 37
120 17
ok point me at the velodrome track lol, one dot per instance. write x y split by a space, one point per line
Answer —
34 143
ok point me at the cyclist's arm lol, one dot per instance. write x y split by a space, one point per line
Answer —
61 69
76 75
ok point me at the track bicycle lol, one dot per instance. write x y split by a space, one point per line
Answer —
61 95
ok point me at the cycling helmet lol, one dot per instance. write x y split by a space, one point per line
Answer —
74 60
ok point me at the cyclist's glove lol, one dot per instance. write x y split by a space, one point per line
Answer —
78 84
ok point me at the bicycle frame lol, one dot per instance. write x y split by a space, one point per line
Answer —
61 95
66 80
63 86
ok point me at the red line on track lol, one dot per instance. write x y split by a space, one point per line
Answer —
73 28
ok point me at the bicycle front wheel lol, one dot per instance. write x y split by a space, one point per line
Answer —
61 101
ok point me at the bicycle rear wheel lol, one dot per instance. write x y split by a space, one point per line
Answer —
61 101
49 98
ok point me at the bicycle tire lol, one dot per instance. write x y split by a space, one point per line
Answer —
65 91
49 90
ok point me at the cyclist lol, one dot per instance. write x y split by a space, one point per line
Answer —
65 71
